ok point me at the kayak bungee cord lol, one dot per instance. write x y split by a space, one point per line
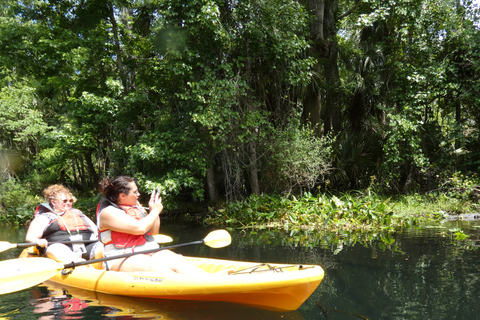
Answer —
269 268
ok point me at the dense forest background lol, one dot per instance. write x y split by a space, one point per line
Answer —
216 100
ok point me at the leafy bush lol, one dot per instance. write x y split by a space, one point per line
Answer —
18 202
462 187
172 185
299 159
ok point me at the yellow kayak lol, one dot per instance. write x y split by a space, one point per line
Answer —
272 286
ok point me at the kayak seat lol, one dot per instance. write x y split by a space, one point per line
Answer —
30 252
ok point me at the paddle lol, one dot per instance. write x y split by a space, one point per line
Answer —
162 238
5 245
19 274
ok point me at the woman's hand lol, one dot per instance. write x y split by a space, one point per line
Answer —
155 202
42 243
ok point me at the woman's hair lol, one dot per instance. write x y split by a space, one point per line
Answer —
111 188
50 193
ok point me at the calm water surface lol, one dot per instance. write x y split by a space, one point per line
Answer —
418 275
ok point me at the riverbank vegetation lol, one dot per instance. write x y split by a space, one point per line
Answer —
334 114
363 211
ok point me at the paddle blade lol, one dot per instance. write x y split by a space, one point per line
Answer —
218 239
4 246
19 274
162 238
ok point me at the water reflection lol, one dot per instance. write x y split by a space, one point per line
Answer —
413 274
50 303
423 275
54 301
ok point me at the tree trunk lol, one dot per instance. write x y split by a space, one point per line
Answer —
312 104
75 175
458 119
324 37
330 57
253 168
83 178
211 185
252 151
313 100
92 173
118 50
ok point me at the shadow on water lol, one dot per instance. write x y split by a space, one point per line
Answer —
433 273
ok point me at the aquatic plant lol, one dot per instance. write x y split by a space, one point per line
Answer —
351 211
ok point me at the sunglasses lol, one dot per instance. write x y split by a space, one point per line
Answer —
66 200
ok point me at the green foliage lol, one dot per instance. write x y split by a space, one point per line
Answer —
437 204
20 120
88 205
299 160
168 91
459 235
332 213
164 159
355 161
172 185
21 125
462 187
402 149
414 93
218 108
314 238
18 201
350 217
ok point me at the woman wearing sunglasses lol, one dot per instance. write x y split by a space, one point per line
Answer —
56 222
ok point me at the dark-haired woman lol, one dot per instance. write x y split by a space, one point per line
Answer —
56 221
124 227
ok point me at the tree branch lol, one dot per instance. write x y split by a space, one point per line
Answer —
349 11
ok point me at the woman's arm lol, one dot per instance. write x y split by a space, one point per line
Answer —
35 231
156 226
116 219
155 204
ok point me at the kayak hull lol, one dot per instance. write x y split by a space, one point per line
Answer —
278 287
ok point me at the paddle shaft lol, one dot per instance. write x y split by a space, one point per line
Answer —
126 255
31 244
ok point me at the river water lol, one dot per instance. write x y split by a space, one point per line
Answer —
414 274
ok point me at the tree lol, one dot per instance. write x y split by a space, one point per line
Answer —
407 93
